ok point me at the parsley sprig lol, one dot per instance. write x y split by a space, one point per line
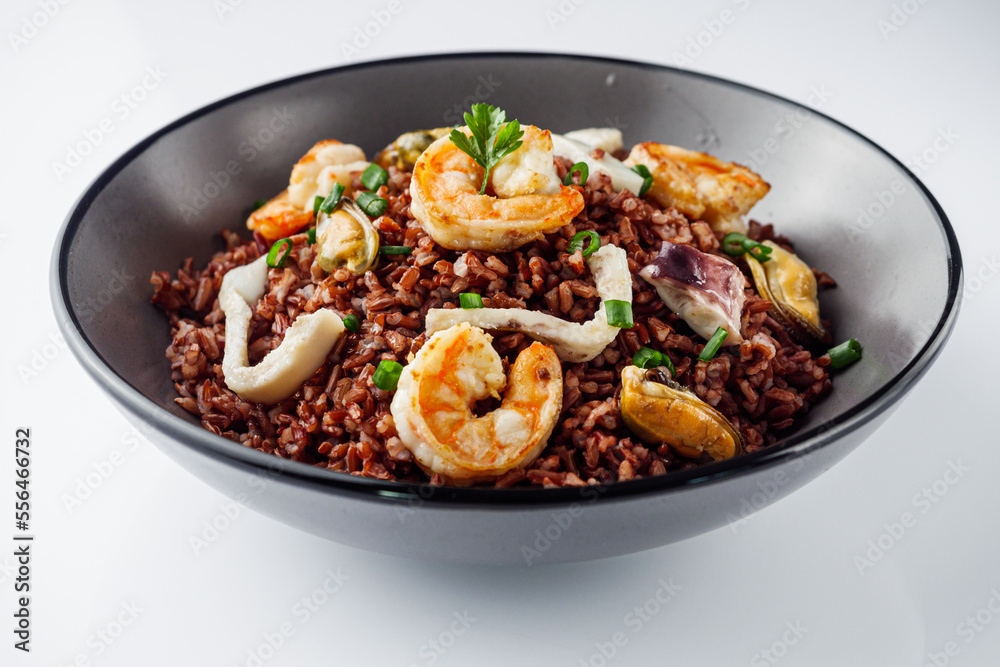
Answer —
493 138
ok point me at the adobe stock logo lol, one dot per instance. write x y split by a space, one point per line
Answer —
363 35
31 25
485 86
121 108
923 501
712 29
899 17
246 152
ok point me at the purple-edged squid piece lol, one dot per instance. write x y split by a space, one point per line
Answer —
705 290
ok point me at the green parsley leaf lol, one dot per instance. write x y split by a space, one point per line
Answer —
493 138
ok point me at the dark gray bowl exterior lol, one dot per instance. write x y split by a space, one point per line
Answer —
842 199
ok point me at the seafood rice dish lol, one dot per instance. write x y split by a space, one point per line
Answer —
500 305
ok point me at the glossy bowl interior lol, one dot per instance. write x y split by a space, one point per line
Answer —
841 198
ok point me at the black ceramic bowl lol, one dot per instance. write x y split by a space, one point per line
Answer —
851 208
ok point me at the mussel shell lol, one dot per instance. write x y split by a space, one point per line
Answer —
656 409
404 151
338 243
804 326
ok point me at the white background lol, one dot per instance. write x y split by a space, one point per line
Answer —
738 590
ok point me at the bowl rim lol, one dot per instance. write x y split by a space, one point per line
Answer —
217 447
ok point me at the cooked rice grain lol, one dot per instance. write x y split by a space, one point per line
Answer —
339 420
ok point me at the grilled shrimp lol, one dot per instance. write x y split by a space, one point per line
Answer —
528 199
326 163
278 218
433 405
699 185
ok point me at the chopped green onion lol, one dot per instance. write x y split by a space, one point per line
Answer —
619 313
317 202
395 250
713 344
371 203
579 168
470 300
279 253
732 244
336 192
647 178
735 244
669 364
374 177
759 251
257 203
387 374
647 357
352 323
588 241
311 235
845 354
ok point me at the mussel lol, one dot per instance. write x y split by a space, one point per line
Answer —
404 151
657 409
790 285
346 238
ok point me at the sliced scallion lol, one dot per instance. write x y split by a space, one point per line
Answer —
352 323
587 241
732 244
336 192
371 204
735 244
279 253
395 250
647 357
317 202
257 203
374 177
619 313
311 235
578 168
759 251
387 374
470 300
647 178
845 354
713 345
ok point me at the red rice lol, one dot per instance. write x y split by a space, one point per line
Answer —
340 421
